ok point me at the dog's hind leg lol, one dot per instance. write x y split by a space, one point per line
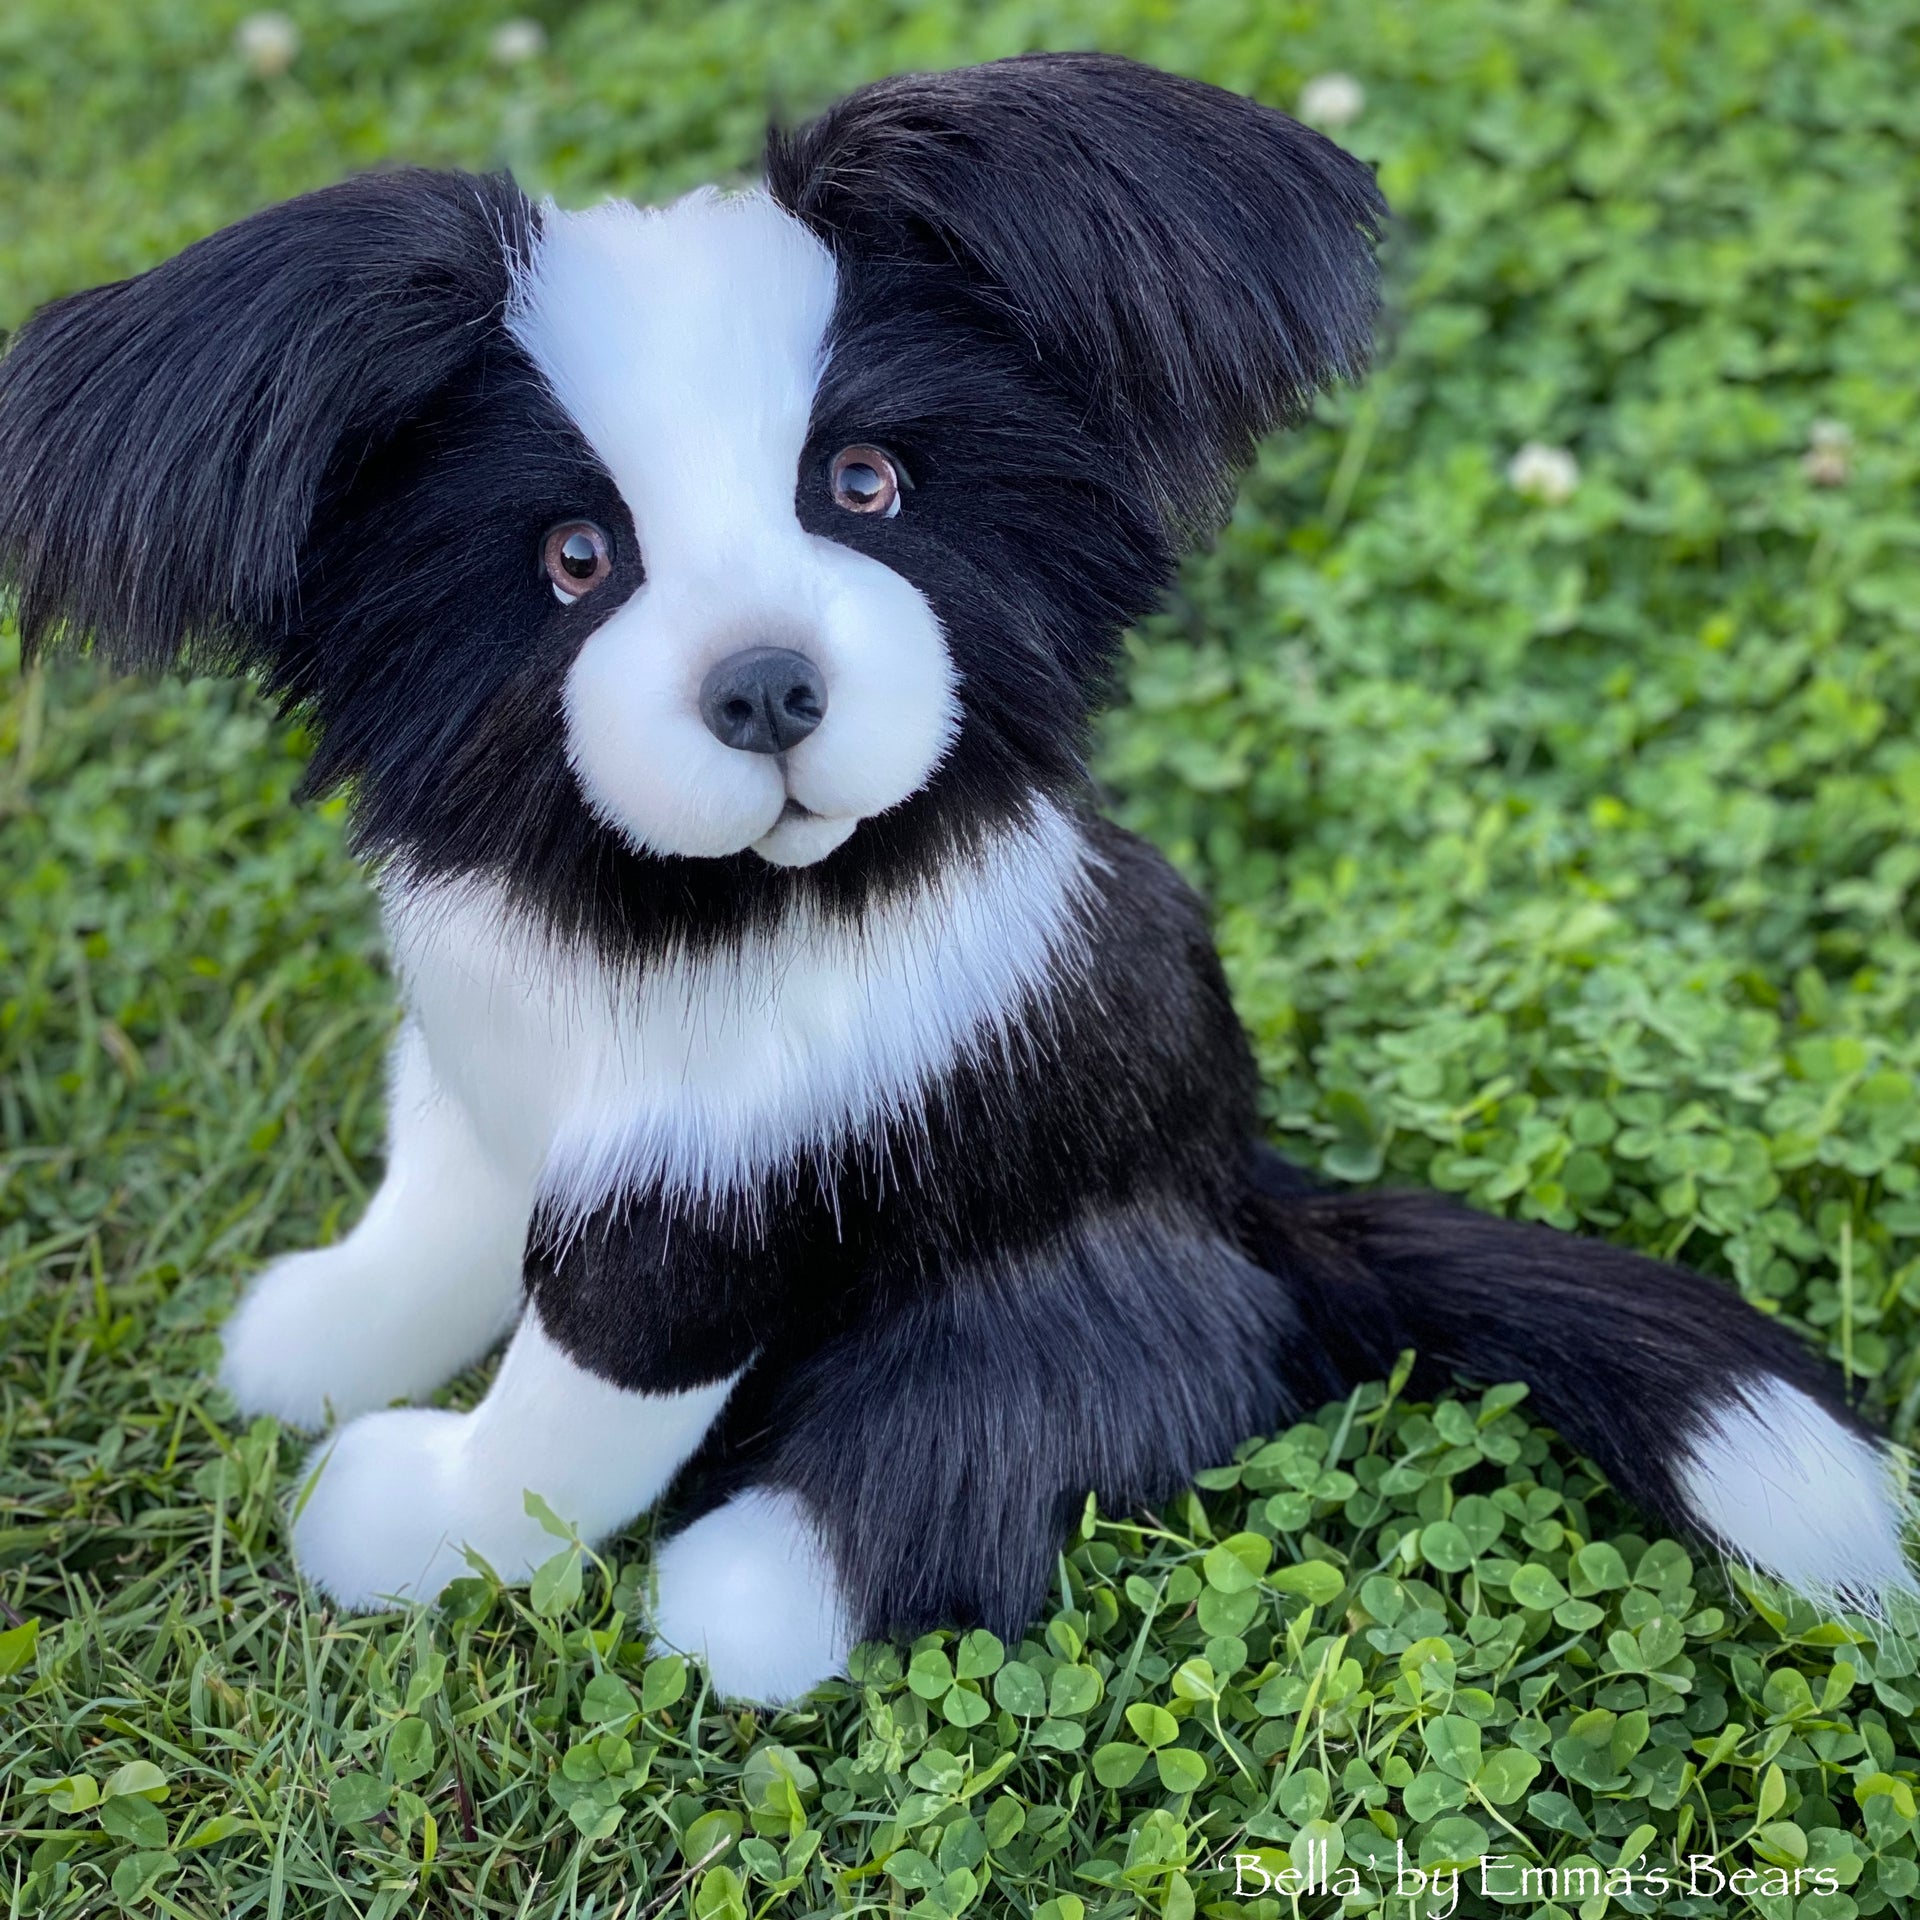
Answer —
923 1467
425 1284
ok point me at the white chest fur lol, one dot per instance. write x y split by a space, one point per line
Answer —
703 1074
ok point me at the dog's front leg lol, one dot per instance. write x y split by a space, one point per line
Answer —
637 1325
422 1287
396 1499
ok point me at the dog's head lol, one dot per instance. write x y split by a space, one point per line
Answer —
595 539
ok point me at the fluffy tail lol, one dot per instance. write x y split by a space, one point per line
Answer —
1698 1408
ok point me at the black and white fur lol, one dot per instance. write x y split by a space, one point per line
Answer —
868 1119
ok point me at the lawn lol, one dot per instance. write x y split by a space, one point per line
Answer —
1558 811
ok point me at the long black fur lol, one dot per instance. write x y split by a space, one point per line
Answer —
163 441
1192 266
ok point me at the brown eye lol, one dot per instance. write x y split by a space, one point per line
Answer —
577 559
866 480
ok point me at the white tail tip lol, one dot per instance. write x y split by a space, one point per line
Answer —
1786 1488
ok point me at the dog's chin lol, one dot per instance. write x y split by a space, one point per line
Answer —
799 838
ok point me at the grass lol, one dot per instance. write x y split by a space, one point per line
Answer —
1563 856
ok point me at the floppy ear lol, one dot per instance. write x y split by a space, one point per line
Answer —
163 440
1195 266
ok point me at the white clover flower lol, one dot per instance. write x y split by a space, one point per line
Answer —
268 42
1828 458
515 42
1543 473
1332 100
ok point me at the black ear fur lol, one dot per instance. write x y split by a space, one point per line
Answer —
163 440
1194 265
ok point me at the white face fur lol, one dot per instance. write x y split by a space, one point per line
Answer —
686 343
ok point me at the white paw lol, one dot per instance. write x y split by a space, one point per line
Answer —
328 1335
398 1497
750 1592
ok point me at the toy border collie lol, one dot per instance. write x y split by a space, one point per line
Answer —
705 606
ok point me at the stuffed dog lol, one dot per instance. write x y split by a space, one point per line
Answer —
705 607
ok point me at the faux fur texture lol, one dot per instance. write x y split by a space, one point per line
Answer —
853 1119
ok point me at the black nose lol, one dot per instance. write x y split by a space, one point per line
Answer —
764 700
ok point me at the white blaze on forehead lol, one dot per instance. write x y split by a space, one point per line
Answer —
686 344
